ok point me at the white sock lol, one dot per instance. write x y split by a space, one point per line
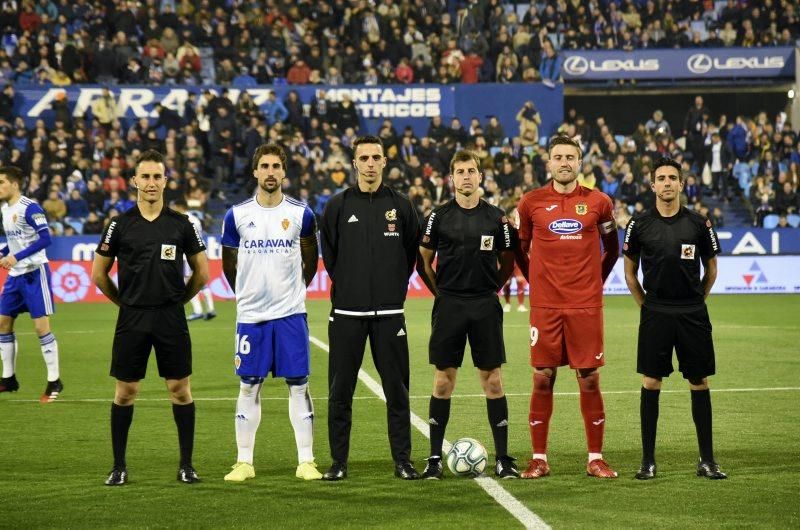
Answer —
540 456
301 414
248 417
595 456
8 353
197 309
209 299
50 354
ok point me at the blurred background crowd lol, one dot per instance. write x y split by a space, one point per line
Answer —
742 170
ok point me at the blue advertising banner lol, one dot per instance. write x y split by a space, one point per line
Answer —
405 105
688 63
734 241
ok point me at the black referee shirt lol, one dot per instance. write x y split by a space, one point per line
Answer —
467 243
671 249
150 256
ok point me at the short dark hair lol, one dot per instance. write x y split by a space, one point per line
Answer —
13 173
667 161
464 156
367 139
563 139
180 203
269 149
151 155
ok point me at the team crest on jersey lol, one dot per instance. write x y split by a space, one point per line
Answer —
687 251
285 224
237 361
168 252
581 208
14 218
487 242
391 215
426 239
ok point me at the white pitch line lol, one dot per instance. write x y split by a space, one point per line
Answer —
510 503
455 396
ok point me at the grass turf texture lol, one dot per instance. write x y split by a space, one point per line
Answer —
55 457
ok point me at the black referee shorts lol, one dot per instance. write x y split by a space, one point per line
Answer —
688 332
456 319
140 330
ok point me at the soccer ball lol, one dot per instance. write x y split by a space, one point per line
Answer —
467 458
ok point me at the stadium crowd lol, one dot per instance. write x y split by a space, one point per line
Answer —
358 41
79 169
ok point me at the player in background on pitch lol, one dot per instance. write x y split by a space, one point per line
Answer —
561 227
27 287
197 308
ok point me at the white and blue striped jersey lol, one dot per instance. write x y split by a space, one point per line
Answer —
269 271
22 223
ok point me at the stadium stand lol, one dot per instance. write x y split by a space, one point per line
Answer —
207 139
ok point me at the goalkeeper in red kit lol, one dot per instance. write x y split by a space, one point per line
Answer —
561 227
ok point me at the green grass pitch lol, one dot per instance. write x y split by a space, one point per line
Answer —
54 458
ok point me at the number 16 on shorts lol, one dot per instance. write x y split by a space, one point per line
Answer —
242 347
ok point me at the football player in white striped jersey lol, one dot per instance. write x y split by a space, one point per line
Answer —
27 287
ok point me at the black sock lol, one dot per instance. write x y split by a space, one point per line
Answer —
121 418
438 416
648 412
184 419
498 420
701 414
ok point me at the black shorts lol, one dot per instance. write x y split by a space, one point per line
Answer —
688 332
455 319
139 331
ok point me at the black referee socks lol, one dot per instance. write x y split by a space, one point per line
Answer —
498 420
121 418
648 412
184 419
438 416
701 414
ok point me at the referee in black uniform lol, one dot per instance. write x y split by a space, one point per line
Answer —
149 242
475 245
369 237
672 242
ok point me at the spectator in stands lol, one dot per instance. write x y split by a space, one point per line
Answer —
529 120
720 160
93 224
692 190
77 209
739 139
104 109
299 73
628 189
657 125
786 199
694 128
550 67
274 110
345 114
54 206
717 218
783 222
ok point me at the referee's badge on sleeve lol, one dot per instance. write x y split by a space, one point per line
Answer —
487 242
687 251
168 252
